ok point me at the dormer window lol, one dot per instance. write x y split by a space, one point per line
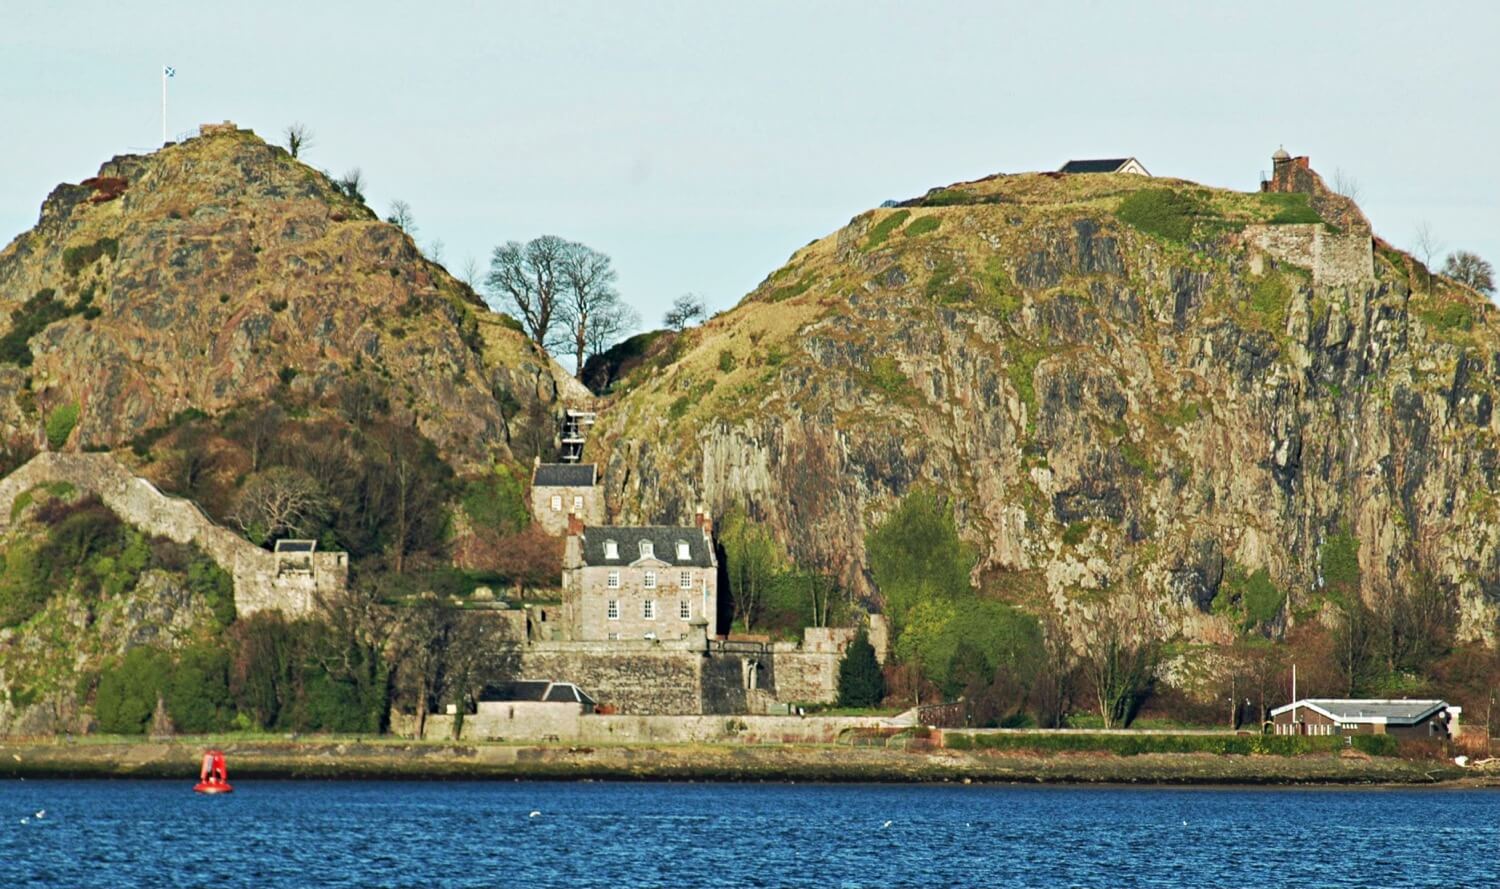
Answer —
611 549
683 553
648 549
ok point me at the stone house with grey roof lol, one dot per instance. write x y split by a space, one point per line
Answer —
655 582
559 490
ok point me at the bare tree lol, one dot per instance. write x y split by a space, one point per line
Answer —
591 304
1470 270
352 184
471 274
401 217
685 310
446 655
258 431
281 500
1122 649
298 138
1427 246
528 280
1345 184
435 249
607 328
1057 675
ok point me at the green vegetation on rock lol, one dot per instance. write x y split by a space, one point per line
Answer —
60 422
883 229
1165 212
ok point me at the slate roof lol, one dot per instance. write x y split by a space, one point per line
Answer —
663 539
1372 710
1103 165
564 475
536 690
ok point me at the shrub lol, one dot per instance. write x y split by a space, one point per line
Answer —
24 587
30 319
60 423
76 259
1164 212
861 683
128 692
497 501
788 291
922 226
947 197
197 691
1254 595
883 229
727 361
916 555
1075 533
1446 316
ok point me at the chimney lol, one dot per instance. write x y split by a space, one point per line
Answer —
575 524
704 522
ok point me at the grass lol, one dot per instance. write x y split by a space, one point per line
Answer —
1444 316
998 292
948 197
60 423
1289 208
1269 298
1075 533
1165 212
922 226
886 227
787 291
1181 415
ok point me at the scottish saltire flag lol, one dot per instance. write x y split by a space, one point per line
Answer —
168 71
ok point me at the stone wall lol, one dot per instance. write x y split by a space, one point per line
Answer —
638 677
258 585
1334 258
569 727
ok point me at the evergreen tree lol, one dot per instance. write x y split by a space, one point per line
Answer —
860 681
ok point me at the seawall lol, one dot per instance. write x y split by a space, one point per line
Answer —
382 759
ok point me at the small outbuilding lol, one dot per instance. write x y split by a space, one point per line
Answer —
1405 718
1105 165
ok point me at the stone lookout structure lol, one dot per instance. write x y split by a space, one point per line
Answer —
1338 251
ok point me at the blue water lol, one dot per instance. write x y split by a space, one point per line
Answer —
282 833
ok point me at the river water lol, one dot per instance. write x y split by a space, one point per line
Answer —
363 833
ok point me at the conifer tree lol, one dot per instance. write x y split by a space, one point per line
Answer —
860 681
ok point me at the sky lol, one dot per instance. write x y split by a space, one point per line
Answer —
700 144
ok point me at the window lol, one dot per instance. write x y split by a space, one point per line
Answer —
613 582
650 580
614 609
578 503
556 502
613 637
648 609
648 549
684 609
685 580
683 553
611 549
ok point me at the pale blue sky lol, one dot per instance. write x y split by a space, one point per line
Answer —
700 144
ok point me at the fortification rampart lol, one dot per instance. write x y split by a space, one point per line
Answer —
1334 258
259 581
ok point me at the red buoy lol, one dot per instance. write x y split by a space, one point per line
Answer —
214 776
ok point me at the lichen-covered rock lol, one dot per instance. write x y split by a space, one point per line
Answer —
1113 406
210 273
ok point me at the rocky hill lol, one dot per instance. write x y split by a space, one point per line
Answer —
1124 386
217 272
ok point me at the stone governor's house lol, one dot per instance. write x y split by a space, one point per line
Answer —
652 582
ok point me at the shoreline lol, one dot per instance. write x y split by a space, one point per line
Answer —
394 759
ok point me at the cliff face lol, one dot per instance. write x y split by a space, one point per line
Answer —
1126 387
210 273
